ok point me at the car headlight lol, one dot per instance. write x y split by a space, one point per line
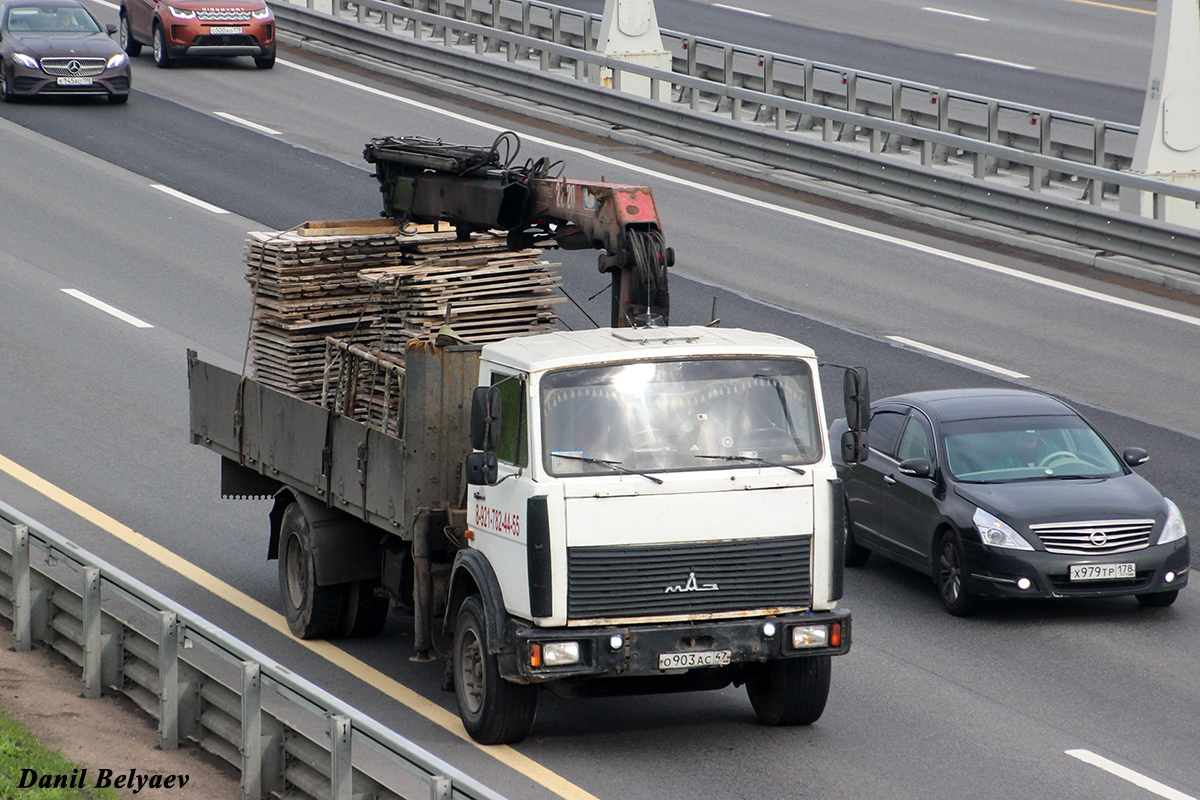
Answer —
261 13
181 13
998 533
28 61
116 61
1173 528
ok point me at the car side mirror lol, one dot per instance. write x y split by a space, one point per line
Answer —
482 469
1135 456
916 468
854 447
111 28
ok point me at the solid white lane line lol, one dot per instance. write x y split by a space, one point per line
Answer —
188 198
246 123
741 10
1125 773
107 309
987 60
937 351
955 14
1048 283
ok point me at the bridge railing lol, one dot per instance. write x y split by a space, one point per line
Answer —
1033 170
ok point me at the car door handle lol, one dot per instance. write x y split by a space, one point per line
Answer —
888 479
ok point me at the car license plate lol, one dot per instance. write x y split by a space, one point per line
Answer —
224 29
1102 572
74 80
699 658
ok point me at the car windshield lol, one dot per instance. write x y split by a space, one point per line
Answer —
42 19
1004 449
707 413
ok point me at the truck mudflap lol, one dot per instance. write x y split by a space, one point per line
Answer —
671 649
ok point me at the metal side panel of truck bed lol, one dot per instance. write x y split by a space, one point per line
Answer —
269 439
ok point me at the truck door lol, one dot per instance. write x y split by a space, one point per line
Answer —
499 515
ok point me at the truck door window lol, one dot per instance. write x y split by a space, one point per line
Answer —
514 428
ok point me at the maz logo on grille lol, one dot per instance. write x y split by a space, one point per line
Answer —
692 586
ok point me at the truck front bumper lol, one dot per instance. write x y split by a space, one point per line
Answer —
543 654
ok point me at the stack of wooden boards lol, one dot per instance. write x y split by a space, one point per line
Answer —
367 284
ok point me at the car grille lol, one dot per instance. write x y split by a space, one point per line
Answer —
664 580
1095 538
79 67
223 15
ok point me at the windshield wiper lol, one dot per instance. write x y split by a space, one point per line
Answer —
755 460
613 465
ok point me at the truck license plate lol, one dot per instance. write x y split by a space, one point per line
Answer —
74 80
1102 572
224 29
699 658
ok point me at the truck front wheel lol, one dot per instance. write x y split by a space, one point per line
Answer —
791 691
313 612
493 710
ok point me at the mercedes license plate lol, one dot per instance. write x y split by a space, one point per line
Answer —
697 658
1102 572
74 80
224 29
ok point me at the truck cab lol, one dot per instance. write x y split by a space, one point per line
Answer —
651 509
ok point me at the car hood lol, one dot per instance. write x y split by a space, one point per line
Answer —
65 45
1025 503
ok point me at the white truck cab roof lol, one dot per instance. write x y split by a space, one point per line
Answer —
572 348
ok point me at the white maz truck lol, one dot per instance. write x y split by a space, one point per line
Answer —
607 511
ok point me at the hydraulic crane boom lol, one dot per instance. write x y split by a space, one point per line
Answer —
479 188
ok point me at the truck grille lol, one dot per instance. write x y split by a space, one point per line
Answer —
80 67
707 578
1095 538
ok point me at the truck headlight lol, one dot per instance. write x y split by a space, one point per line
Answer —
553 654
806 636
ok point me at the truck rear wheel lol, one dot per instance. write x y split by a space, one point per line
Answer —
313 612
365 611
493 710
791 691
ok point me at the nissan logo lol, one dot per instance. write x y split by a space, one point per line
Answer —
1098 538
74 66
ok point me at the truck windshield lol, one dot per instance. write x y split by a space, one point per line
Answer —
668 415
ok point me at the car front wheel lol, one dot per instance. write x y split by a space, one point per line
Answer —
6 95
856 555
131 46
951 578
162 58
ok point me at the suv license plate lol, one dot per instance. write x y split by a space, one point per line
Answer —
74 80
699 658
1102 572
224 29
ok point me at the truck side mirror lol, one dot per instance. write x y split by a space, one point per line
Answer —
482 469
854 447
857 396
485 418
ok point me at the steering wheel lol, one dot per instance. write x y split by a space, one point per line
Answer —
645 439
1057 455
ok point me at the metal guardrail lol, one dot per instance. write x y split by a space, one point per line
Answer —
287 737
1066 186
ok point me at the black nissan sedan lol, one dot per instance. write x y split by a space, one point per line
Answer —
1004 493
56 47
